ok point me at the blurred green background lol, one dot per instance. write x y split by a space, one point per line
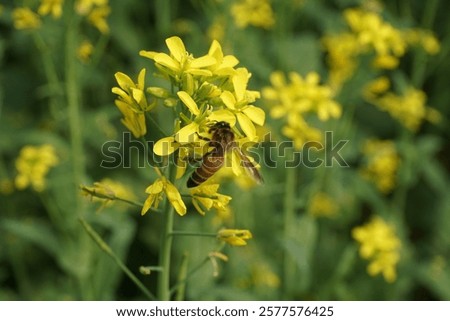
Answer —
56 75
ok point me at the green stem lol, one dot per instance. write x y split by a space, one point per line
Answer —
105 248
73 105
184 233
420 58
288 223
182 276
166 245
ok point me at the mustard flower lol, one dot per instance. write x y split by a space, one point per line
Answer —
257 13
382 162
97 17
234 237
409 109
83 7
25 19
205 197
53 7
85 50
33 164
179 64
379 244
157 189
297 99
108 190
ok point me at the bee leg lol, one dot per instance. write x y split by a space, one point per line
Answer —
203 138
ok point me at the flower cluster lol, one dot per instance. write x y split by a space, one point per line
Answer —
257 13
409 109
205 90
379 244
296 99
32 166
382 162
96 12
370 34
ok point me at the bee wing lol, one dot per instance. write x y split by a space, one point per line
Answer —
248 165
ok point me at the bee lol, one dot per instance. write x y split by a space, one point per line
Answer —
221 142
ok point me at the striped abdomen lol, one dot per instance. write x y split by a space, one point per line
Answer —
211 163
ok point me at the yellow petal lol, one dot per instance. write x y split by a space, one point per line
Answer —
240 81
166 61
141 79
187 134
176 47
175 198
165 146
148 54
148 203
228 99
155 188
124 81
256 114
223 115
202 62
189 102
246 125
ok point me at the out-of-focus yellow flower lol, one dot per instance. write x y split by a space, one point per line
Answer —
157 189
297 99
53 7
83 7
262 275
25 19
409 109
257 13
108 190
97 17
379 244
234 237
374 33
216 31
85 50
342 50
424 38
382 164
205 197
376 87
322 205
33 164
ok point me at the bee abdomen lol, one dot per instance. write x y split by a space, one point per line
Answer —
210 165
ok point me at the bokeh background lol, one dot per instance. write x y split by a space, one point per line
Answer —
377 229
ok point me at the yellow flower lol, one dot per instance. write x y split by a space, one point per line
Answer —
234 237
157 189
51 6
180 63
322 205
83 7
253 12
205 197
409 109
374 33
85 50
382 164
297 99
24 18
97 17
132 102
379 244
32 166
108 190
